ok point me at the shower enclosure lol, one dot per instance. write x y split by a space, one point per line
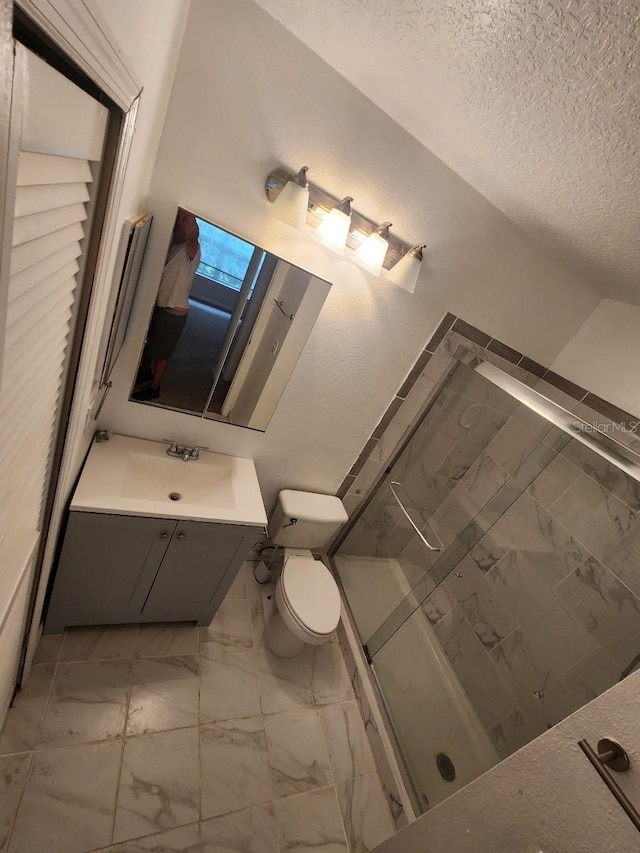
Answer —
493 576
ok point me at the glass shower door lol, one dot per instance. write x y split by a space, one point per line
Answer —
413 572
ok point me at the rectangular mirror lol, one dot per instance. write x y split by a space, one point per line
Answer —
228 326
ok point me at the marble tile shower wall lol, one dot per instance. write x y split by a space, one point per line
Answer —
545 612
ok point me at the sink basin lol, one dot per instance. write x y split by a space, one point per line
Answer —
198 481
133 476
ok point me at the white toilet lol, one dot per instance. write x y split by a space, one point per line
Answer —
307 596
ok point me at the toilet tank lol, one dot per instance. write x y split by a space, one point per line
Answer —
317 518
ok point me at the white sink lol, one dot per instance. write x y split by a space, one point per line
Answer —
133 476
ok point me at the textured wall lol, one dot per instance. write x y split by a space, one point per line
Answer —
248 96
535 103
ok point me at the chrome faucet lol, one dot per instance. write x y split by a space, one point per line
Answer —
183 452
194 453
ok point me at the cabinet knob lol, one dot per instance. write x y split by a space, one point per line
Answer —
164 535
180 537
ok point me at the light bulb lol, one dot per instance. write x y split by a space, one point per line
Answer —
371 253
405 273
292 203
334 228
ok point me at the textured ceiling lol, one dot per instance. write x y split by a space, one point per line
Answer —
535 104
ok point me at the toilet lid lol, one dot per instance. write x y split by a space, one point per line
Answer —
311 593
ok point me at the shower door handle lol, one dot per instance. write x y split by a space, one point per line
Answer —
410 520
611 755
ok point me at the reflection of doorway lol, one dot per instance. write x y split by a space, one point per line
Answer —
187 383
222 283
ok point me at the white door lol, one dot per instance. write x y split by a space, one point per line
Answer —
60 133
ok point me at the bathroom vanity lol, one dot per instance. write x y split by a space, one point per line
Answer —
152 538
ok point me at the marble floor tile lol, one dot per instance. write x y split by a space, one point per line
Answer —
228 685
48 650
230 628
330 680
249 831
235 761
99 642
367 820
238 588
234 769
69 800
347 742
298 759
88 702
164 694
159 786
285 684
184 839
310 821
14 770
167 639
21 730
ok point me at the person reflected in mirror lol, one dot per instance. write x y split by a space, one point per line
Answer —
172 304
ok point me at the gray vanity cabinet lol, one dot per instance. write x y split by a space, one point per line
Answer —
116 569
197 571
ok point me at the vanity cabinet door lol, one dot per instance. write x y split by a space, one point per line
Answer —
197 570
107 564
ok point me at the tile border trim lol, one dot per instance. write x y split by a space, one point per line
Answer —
370 463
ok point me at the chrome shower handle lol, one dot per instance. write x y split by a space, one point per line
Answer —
611 755
410 520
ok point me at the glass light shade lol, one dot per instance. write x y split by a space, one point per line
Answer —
405 273
371 253
291 205
334 228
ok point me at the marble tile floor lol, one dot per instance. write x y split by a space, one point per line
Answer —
171 738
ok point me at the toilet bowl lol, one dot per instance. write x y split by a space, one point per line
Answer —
308 602
307 596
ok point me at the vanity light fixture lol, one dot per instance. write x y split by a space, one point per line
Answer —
326 215
292 203
405 273
371 253
334 228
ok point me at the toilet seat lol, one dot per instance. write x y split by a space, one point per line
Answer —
310 595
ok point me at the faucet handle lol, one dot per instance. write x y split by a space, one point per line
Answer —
195 451
174 445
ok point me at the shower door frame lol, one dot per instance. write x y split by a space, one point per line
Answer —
460 355
569 426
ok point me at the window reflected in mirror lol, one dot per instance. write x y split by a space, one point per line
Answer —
228 326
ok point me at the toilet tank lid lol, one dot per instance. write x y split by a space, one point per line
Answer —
308 506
